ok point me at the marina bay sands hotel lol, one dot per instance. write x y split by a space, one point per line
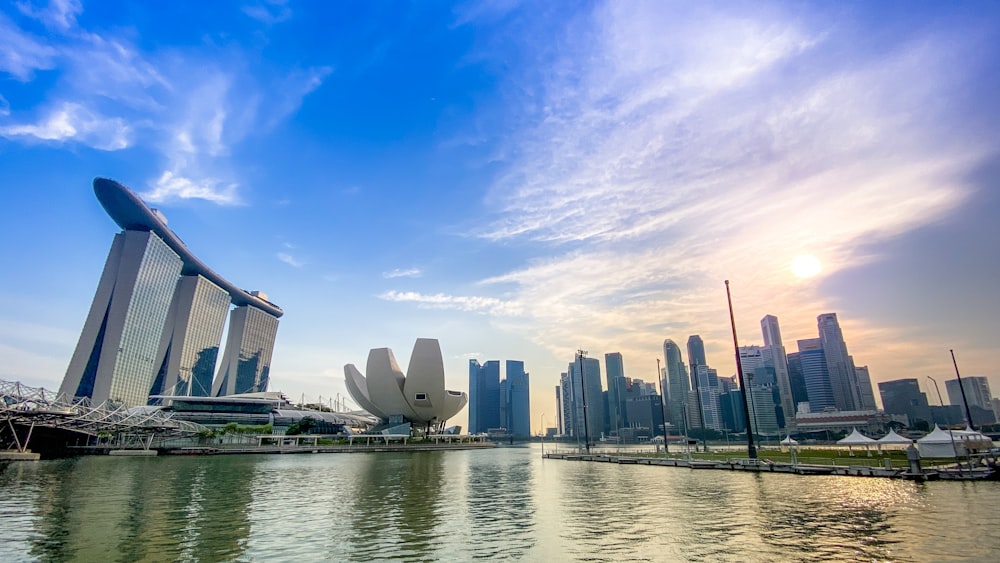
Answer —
157 319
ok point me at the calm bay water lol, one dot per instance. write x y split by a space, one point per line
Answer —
505 503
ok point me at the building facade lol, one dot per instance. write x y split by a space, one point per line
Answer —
157 316
676 385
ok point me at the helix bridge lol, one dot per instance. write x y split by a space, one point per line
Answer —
23 409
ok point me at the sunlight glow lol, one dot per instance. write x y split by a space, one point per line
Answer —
806 266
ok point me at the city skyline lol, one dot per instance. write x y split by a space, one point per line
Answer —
518 181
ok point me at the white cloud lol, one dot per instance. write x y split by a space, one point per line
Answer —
170 186
670 151
57 14
290 260
269 12
485 305
22 54
398 273
192 105
73 122
4 106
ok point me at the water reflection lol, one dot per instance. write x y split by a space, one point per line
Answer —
499 498
397 505
505 503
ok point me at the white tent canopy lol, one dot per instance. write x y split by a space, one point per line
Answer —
789 441
856 438
951 443
892 439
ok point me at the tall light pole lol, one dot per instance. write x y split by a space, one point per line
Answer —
751 450
968 414
583 396
663 406
954 448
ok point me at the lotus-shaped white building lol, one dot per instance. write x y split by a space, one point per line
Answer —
418 397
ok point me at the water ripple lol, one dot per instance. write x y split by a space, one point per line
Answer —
500 504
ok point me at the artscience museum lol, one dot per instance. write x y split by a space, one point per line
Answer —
418 397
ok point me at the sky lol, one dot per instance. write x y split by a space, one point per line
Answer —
517 180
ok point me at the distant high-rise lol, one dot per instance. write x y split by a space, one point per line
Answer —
816 374
839 364
586 387
774 356
797 381
865 391
154 325
676 386
978 395
518 400
696 353
615 374
903 396
484 396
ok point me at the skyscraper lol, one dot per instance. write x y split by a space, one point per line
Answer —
615 375
903 396
246 365
484 396
676 386
518 400
774 356
586 389
154 325
865 392
116 356
977 393
839 364
190 350
816 374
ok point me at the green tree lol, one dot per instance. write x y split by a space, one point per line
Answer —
303 426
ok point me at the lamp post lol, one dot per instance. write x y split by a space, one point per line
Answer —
751 450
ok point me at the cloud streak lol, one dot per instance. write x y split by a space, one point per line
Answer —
192 106
472 304
671 149
399 273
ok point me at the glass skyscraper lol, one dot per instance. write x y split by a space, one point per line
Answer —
115 358
816 375
677 385
189 351
484 396
518 400
246 365
158 315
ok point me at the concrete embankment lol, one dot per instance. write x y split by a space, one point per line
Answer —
764 466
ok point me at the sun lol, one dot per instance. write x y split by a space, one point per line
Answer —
806 266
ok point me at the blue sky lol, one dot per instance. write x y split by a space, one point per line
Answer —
515 179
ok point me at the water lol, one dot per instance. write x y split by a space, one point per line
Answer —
505 503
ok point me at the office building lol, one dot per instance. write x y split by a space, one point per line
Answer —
518 403
978 395
484 396
584 398
676 384
847 393
615 374
816 374
903 396
154 325
775 356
